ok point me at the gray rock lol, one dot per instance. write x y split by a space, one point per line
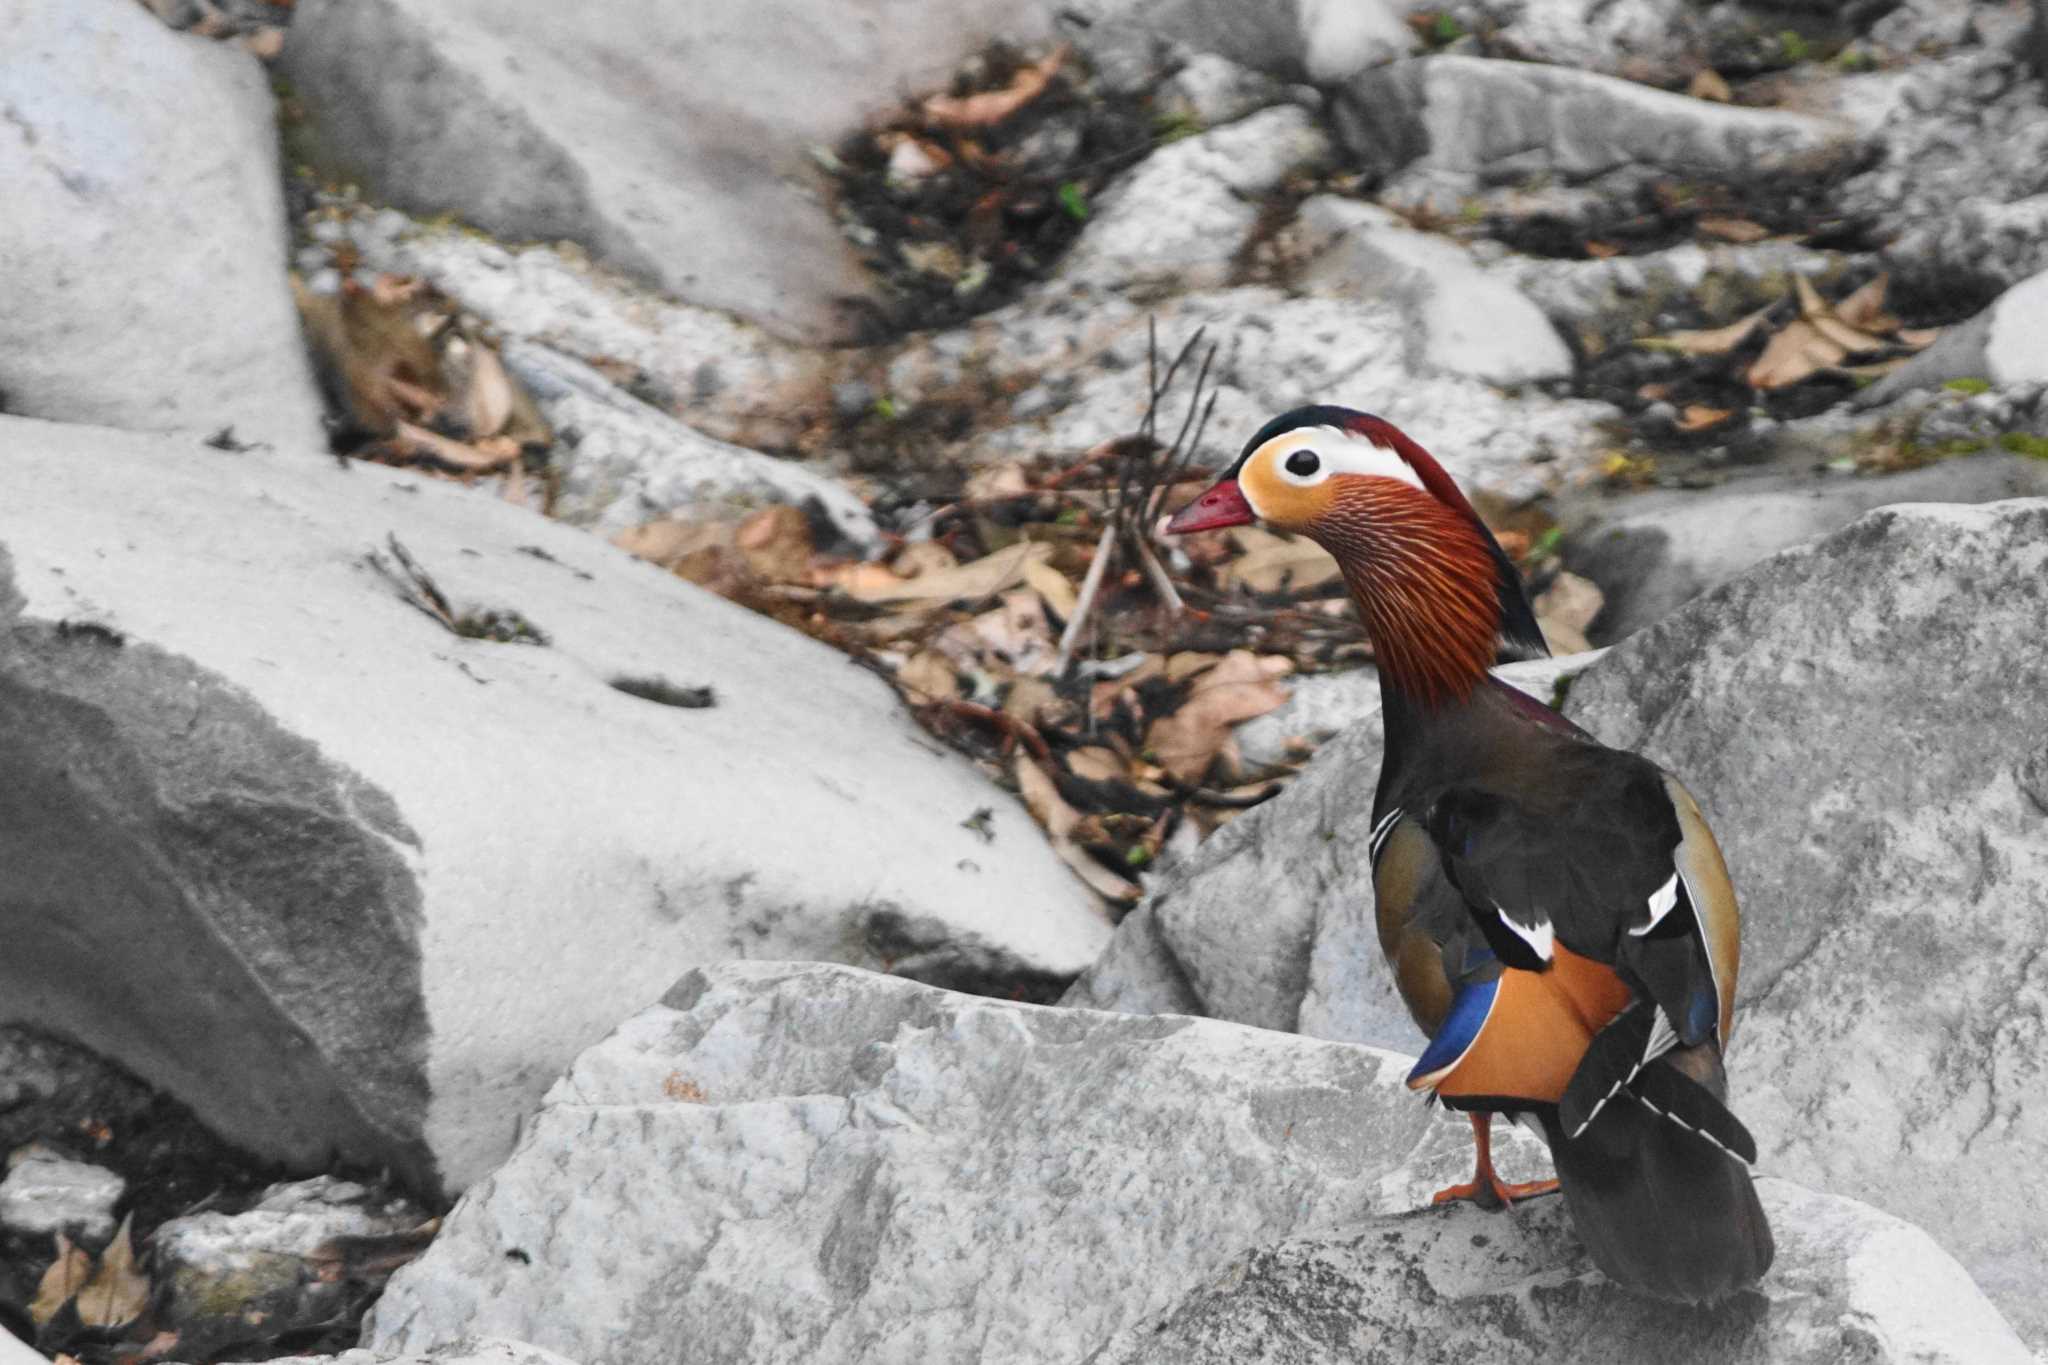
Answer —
1211 91
465 1351
266 1259
671 143
795 1162
216 712
1464 319
1865 718
45 1193
1450 124
1180 216
1318 40
1309 960
1451 1286
624 462
2037 40
142 252
1667 547
719 374
1659 42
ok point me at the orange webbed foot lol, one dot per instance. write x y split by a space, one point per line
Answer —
1486 1188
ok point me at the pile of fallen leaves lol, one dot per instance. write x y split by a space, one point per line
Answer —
1791 358
415 381
959 199
1015 628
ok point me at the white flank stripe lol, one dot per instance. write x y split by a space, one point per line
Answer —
1540 939
1380 833
1661 901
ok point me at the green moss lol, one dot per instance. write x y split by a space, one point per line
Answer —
1074 200
1794 46
1444 29
1969 386
2025 443
1175 126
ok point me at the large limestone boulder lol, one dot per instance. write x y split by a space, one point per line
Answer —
346 881
1863 719
142 250
795 1162
1448 1287
1866 720
671 140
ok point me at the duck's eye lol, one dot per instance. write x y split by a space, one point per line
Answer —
1303 464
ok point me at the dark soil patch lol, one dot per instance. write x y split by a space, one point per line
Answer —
1668 213
1006 202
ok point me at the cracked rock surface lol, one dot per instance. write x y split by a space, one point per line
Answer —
346 881
790 1162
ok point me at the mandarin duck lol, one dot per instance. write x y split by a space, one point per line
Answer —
1556 913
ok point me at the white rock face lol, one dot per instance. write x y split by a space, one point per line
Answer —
1319 40
2016 349
1661 42
403 876
669 141
1309 960
794 1162
1668 547
632 462
45 1193
15 1351
1468 321
1181 214
1452 123
468 1351
1865 719
142 251
1451 1286
256 1260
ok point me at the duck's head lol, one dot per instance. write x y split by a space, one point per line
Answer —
1435 589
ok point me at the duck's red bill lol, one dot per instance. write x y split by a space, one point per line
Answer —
1221 506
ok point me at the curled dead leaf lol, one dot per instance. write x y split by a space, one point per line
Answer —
1708 84
1062 823
1565 610
1713 340
480 457
118 1291
1739 230
1271 563
61 1282
984 577
993 106
1243 685
1699 417
1795 354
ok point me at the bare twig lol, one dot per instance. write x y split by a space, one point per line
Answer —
1091 585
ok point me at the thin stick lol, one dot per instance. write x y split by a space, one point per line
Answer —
1154 570
1105 547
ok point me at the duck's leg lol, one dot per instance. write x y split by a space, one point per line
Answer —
1486 1188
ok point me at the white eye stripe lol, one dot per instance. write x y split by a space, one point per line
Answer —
1338 452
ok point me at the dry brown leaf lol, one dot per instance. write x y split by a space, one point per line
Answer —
1052 585
777 543
1015 635
1740 230
1062 823
1708 84
1919 338
984 577
480 458
487 405
1795 354
916 558
1240 687
1699 417
1714 340
61 1282
1273 563
117 1292
667 541
1097 763
265 44
993 106
1006 480
1601 251
1864 309
1032 700
1565 609
929 674
1875 370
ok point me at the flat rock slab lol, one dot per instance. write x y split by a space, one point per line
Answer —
343 880
795 1162
672 141
1453 1286
142 251
1865 720
1472 120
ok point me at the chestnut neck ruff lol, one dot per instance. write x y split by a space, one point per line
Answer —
1424 578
